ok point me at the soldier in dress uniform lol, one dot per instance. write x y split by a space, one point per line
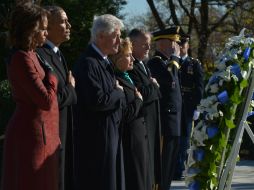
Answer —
164 66
192 86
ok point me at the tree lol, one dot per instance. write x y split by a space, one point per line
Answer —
200 18
80 13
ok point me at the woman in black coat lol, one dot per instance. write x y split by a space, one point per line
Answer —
134 135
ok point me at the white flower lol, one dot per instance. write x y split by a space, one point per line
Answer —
242 32
225 75
251 63
191 159
244 74
221 63
248 41
199 135
252 103
234 77
221 82
214 88
212 111
206 102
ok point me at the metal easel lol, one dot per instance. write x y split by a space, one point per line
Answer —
225 179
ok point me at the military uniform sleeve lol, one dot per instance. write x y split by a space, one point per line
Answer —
199 81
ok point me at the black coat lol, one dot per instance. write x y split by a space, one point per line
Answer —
135 142
151 111
97 117
66 98
192 84
171 100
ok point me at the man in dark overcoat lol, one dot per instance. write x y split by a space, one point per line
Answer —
59 32
164 66
98 112
192 86
149 89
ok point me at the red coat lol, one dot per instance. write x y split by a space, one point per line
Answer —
32 135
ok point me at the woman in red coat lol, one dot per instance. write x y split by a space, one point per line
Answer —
32 135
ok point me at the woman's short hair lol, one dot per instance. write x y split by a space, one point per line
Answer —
105 24
124 47
24 24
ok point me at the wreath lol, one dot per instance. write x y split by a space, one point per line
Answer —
211 139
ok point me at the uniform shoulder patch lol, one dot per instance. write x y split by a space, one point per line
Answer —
196 60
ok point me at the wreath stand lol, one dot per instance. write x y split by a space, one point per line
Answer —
229 166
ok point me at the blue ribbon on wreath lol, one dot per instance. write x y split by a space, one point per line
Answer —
212 131
223 97
236 70
246 53
199 154
194 185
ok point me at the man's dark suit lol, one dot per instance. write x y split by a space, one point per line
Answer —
166 73
66 98
151 95
97 117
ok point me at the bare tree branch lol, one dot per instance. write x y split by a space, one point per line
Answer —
156 14
172 9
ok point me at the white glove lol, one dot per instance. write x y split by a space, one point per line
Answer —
196 115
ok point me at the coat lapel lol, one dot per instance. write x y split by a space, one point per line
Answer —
106 67
58 65
126 83
140 67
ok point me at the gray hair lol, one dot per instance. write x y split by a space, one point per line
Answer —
137 32
105 24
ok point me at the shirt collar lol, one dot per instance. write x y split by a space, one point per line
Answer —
52 46
184 57
99 51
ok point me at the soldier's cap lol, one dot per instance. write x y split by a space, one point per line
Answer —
184 38
171 33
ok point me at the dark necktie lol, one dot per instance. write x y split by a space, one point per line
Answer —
58 53
143 66
109 66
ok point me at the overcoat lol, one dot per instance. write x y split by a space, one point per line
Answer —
97 117
32 135
151 94
66 98
135 142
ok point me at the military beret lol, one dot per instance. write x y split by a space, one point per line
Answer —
171 33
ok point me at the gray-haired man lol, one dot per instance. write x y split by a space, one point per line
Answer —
98 111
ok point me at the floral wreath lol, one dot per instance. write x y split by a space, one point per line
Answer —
220 109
